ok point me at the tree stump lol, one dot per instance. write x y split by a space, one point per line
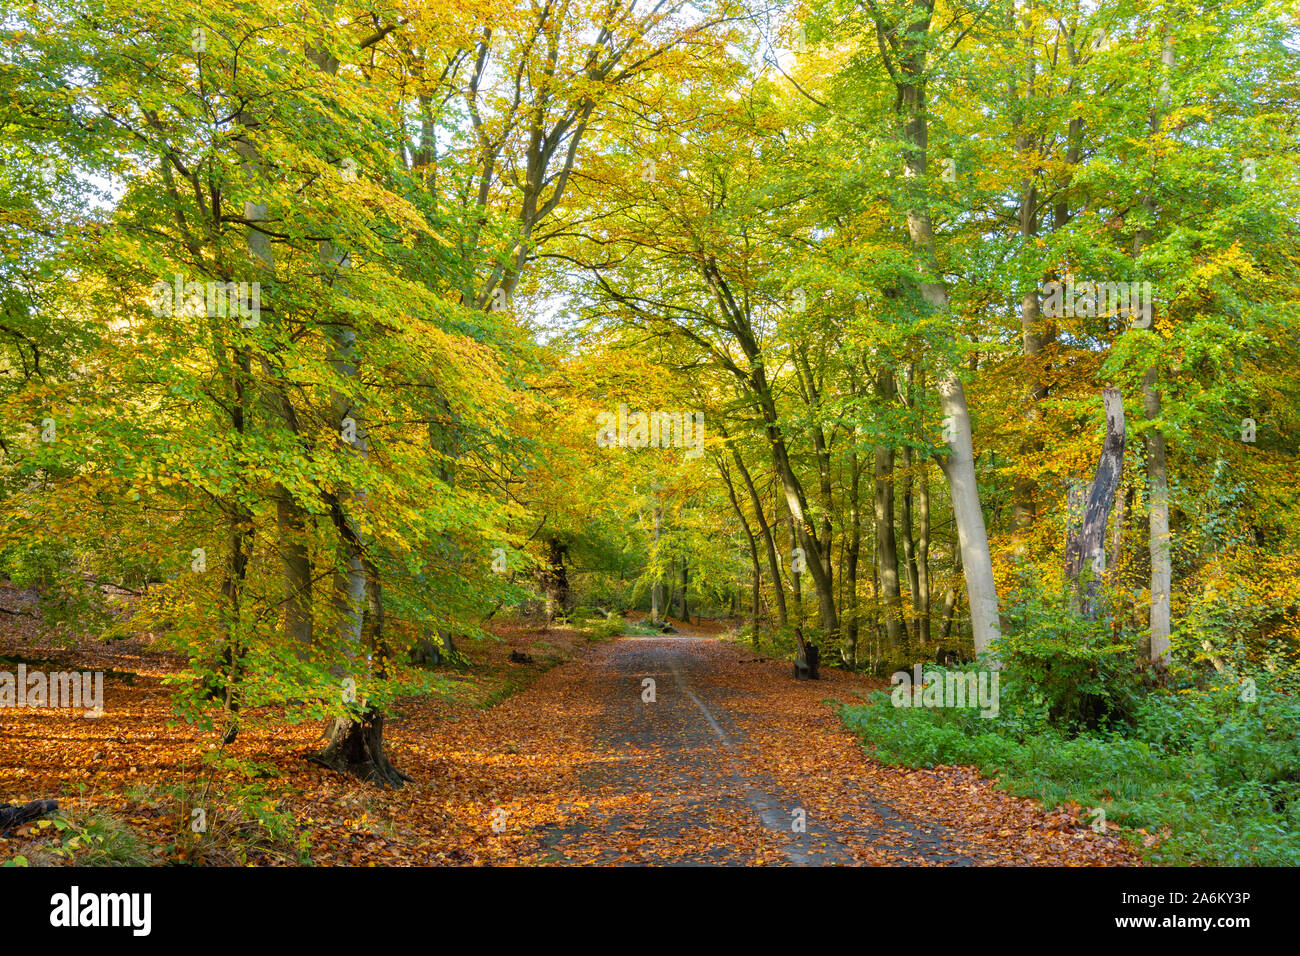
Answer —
807 669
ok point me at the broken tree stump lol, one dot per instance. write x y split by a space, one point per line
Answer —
1085 547
807 668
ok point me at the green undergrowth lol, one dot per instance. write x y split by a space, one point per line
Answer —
1214 779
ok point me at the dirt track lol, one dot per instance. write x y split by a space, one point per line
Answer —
734 763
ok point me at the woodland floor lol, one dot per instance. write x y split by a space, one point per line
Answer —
564 758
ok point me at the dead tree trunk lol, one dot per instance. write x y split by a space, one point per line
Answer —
1085 554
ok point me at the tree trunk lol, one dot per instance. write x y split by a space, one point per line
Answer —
886 546
1117 556
13 815
290 515
1024 504
816 551
353 744
1158 541
949 603
912 48
923 556
296 570
877 632
851 624
976 560
232 588
357 747
765 529
1157 476
426 651
725 474
350 573
681 597
240 524
1117 529
908 535
1085 555
555 580
802 662
796 577
657 588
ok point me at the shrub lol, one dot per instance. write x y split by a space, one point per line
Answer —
1213 777
1086 678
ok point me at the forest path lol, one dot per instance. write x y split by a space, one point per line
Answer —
734 762
685 781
